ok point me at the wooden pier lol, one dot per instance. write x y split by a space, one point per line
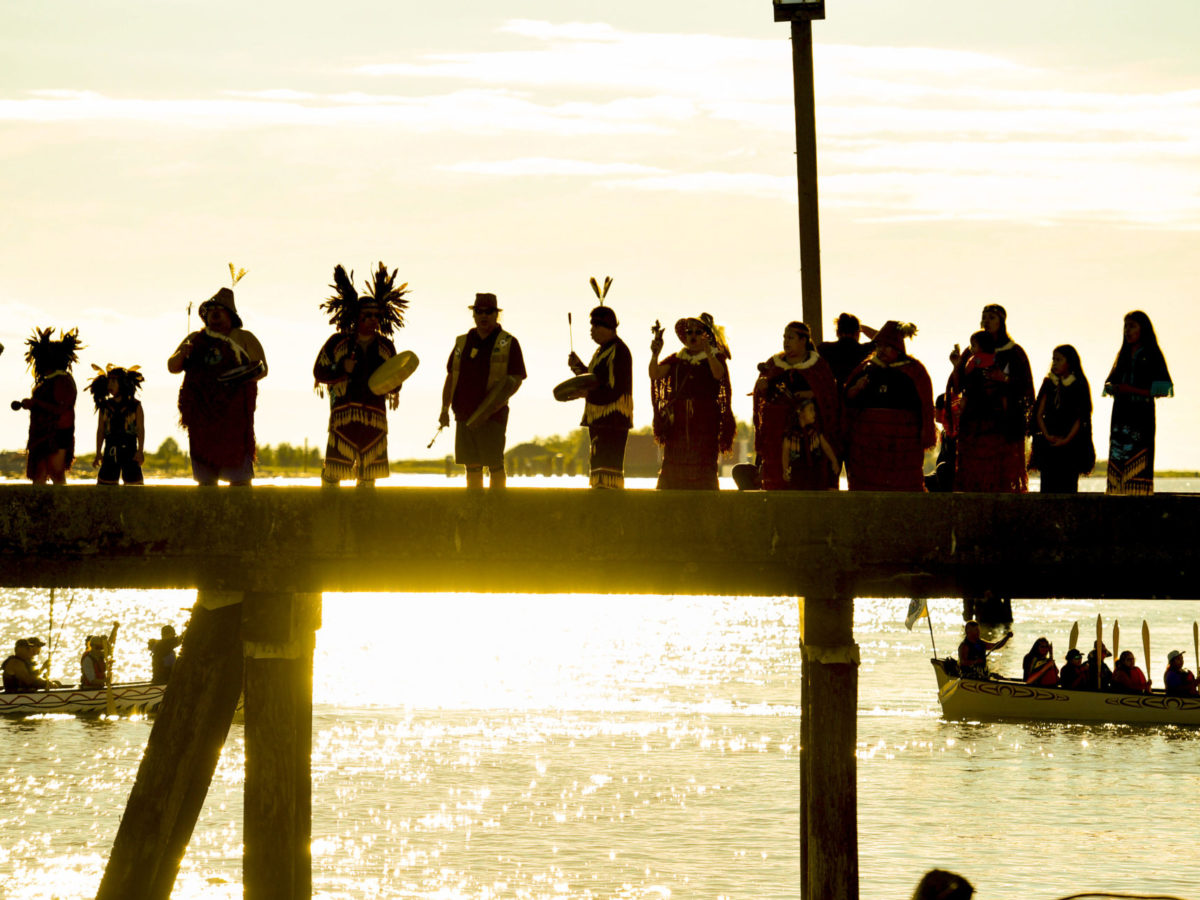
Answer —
260 559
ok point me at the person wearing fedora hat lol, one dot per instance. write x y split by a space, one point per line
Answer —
484 370
51 405
357 446
1178 681
1073 673
889 411
608 406
222 365
693 414
19 674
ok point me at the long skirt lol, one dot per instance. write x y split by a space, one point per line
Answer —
1131 447
989 463
884 452
607 457
689 464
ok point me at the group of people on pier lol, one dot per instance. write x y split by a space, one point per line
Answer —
865 408
1039 667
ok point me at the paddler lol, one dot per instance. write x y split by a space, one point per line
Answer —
484 369
608 409
973 651
223 364
20 674
357 446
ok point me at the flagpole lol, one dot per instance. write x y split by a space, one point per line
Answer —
929 619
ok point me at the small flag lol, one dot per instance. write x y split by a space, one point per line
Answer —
916 610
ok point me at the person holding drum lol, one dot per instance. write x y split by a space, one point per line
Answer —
349 366
222 365
51 405
608 403
485 368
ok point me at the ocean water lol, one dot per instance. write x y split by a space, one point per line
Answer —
497 746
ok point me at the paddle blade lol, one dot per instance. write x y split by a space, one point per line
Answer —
1146 646
1116 639
1099 651
1074 636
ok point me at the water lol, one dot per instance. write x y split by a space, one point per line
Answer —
470 746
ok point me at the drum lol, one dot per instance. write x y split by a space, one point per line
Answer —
393 372
242 374
574 388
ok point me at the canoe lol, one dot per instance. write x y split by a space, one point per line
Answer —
974 700
128 699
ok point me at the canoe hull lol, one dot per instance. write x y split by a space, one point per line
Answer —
964 698
128 699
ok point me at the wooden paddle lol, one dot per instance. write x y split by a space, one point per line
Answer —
110 704
1196 640
1099 649
1116 639
1074 636
1146 650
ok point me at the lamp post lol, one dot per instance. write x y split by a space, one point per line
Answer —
801 14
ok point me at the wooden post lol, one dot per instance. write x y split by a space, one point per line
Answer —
279 631
828 767
181 754
806 176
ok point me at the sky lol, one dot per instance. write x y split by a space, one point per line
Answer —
1044 157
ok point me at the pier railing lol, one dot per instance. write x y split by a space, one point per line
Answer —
261 558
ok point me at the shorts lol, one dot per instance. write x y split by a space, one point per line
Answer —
482 446
118 465
207 474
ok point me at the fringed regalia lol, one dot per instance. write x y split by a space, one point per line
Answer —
120 441
796 424
1062 402
1131 435
693 421
51 421
997 401
890 425
357 445
608 413
218 416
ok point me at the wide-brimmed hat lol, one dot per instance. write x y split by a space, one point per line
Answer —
484 301
683 324
1173 654
35 642
223 297
1074 654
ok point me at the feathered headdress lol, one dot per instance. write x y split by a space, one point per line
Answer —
44 355
893 333
382 292
343 305
130 380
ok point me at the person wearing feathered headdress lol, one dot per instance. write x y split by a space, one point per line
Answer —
608 405
357 446
222 365
121 429
693 413
51 405
485 368
889 411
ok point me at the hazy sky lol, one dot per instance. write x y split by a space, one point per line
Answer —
1046 157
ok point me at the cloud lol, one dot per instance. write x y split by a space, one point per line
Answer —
537 165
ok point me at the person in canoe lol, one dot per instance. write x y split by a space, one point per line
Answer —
222 365
357 446
91 664
608 406
1038 665
162 654
20 675
973 651
1074 672
1178 681
485 368
1128 678
1105 683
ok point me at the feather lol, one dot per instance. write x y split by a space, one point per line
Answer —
390 299
607 285
236 274
595 288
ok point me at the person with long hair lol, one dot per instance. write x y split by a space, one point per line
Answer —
889 411
992 430
1139 375
691 395
1062 435
796 417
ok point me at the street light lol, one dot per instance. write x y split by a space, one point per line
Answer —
790 10
801 14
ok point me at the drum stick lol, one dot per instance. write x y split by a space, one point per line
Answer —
570 333
435 436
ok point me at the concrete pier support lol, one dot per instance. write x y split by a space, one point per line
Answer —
279 632
828 766
181 754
